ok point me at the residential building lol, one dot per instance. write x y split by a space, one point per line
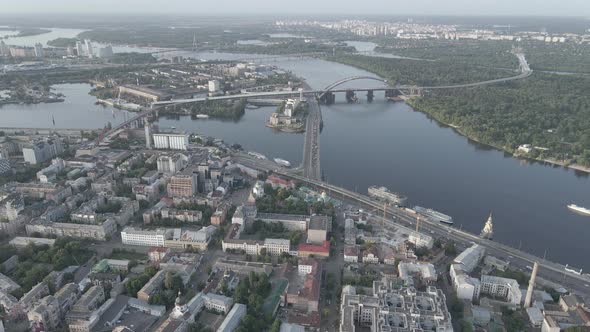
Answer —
5 167
182 215
152 286
190 239
171 164
183 185
21 242
424 271
351 254
505 288
46 314
42 151
391 308
11 205
421 240
218 303
100 232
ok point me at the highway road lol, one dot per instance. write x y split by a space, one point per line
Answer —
311 145
554 272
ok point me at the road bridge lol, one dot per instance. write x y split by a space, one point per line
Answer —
523 66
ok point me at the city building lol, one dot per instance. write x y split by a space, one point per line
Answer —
21 242
100 232
505 288
183 185
147 238
292 222
190 239
320 251
421 240
425 272
46 314
275 247
5 166
152 286
170 141
233 318
214 86
218 302
171 164
317 231
191 216
11 204
42 151
144 93
351 254
391 308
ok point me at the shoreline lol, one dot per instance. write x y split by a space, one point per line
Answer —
457 129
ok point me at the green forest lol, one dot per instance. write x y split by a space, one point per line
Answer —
422 73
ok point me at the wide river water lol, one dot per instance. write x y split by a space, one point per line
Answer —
388 144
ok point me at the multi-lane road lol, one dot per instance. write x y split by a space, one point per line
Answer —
311 145
551 271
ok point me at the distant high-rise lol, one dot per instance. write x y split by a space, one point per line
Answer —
39 50
529 293
4 49
488 229
80 48
89 51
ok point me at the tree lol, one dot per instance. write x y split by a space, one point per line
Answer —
276 325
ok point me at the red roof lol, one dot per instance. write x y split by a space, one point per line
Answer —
273 179
324 248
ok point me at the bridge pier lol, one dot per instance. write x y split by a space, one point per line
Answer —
351 97
328 98
370 96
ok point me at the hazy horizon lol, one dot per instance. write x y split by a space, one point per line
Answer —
578 8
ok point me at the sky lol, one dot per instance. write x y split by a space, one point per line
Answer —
382 7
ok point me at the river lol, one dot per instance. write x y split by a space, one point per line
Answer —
392 145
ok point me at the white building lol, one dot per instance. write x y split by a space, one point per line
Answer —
137 237
171 141
421 240
218 303
508 289
171 164
214 86
275 247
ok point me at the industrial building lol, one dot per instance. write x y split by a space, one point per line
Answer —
170 141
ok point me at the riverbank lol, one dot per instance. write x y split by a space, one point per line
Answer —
499 148
436 116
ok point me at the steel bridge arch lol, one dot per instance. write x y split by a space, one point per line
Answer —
349 79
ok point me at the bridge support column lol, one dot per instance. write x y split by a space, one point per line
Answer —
370 96
328 98
351 97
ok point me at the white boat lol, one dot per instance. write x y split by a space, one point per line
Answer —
434 215
282 162
202 116
385 194
579 209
